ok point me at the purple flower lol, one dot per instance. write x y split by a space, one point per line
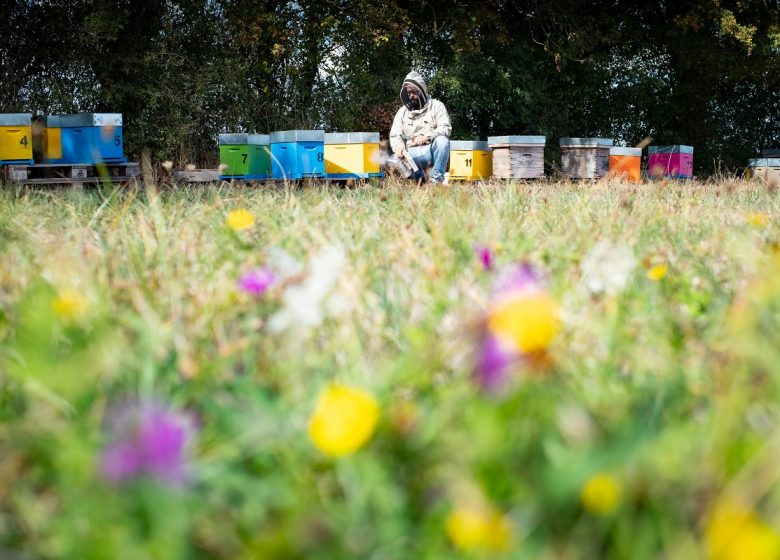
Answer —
521 278
485 256
146 439
493 361
257 281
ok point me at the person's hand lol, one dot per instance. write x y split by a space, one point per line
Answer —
421 141
399 154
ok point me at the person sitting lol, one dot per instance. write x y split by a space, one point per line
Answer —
422 128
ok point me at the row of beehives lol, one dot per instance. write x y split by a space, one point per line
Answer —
299 154
82 138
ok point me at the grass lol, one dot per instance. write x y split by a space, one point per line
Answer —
662 395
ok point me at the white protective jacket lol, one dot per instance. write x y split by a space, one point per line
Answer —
430 120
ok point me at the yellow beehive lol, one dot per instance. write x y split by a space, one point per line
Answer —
16 140
352 155
47 136
470 160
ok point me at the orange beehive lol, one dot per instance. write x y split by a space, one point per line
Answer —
626 163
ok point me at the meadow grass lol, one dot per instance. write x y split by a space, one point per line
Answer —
648 429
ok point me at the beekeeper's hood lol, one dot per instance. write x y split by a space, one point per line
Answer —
416 81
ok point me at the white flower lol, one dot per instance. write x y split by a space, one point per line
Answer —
607 267
283 264
308 303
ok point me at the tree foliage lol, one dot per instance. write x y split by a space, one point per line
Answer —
702 72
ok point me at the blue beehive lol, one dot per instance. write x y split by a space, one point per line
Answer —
91 138
297 154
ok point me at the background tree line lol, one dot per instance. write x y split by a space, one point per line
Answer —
699 72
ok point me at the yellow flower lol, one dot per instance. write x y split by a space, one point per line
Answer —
657 272
530 322
70 304
240 219
736 533
343 420
600 494
471 528
757 219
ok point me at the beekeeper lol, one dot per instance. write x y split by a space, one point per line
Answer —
422 128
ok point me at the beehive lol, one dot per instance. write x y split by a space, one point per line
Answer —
47 139
670 161
352 155
91 138
585 158
245 156
626 163
517 157
470 160
16 140
765 169
297 154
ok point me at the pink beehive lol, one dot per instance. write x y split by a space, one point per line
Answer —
670 161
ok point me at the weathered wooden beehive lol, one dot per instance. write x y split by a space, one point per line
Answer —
517 157
585 158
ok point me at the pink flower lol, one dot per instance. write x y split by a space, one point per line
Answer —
146 440
518 279
493 361
485 256
257 281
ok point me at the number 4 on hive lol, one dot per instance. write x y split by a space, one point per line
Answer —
23 141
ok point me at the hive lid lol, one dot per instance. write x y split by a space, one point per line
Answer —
90 119
585 142
280 136
670 149
352 138
259 139
515 140
474 145
764 162
770 152
50 121
233 139
15 119
623 151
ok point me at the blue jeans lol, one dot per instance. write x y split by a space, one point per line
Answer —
437 153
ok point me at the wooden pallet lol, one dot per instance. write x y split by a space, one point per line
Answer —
197 175
70 173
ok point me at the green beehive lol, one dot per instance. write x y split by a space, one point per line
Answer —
244 156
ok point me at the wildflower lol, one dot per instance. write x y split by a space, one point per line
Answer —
257 281
307 303
240 219
657 272
530 322
607 267
222 168
191 167
485 256
523 320
517 280
600 494
479 529
736 533
284 265
493 360
70 304
146 439
757 219
343 420
167 165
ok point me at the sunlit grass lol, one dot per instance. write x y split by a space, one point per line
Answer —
665 385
